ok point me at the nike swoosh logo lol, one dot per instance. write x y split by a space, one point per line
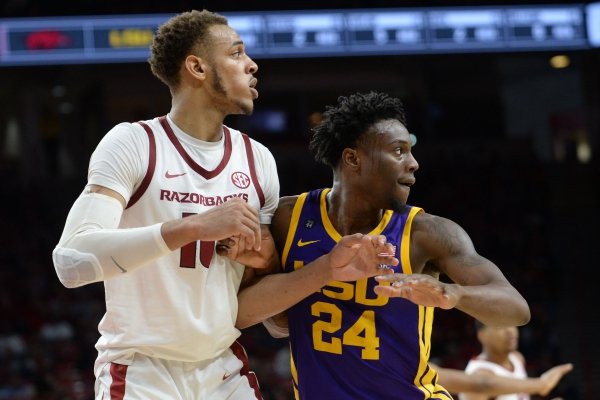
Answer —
302 244
226 376
123 270
169 175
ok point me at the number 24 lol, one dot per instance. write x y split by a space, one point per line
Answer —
362 334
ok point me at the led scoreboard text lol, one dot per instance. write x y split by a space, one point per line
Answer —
275 34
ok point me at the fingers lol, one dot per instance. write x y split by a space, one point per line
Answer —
384 252
563 368
233 218
354 241
566 367
412 280
387 291
386 262
249 226
390 278
420 289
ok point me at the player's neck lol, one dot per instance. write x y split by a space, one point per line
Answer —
203 126
349 214
498 358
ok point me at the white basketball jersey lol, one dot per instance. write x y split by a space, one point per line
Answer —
518 372
183 306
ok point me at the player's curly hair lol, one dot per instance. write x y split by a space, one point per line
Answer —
344 123
176 39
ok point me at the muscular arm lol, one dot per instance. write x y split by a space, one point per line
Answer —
479 289
483 385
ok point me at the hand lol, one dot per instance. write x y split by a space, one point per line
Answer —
421 289
232 219
361 256
551 377
235 249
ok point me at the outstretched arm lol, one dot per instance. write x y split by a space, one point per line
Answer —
457 381
479 289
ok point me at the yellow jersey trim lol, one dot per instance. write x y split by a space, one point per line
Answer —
293 227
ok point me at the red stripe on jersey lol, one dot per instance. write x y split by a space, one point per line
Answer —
186 157
117 387
151 165
250 156
239 351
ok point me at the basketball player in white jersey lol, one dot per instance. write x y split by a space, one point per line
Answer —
455 381
500 357
160 193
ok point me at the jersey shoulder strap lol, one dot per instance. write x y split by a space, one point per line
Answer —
151 166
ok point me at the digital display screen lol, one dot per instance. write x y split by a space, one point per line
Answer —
326 33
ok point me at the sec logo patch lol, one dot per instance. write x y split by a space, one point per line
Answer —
240 180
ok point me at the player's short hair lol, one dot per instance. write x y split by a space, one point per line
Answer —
176 39
345 122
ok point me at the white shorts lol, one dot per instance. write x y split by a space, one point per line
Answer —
223 377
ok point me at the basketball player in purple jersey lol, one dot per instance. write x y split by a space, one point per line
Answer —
160 193
371 339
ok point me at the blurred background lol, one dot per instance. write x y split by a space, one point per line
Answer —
508 147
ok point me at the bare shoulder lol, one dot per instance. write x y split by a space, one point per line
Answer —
434 226
520 356
438 234
281 219
284 208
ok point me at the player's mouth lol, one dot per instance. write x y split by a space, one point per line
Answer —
253 83
405 185
407 182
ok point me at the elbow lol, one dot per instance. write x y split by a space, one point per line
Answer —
243 323
70 284
243 320
525 316
75 269
523 313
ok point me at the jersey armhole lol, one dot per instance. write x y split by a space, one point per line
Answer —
252 165
151 166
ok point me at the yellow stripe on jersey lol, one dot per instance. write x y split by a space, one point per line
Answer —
335 235
426 377
293 227
325 217
404 251
294 374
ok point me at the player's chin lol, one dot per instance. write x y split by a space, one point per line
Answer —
247 107
399 203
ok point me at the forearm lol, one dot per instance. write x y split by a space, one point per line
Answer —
497 385
93 249
457 381
278 292
495 305
493 385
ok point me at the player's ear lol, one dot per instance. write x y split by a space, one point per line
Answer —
195 66
350 158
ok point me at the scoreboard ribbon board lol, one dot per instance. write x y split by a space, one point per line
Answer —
323 33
